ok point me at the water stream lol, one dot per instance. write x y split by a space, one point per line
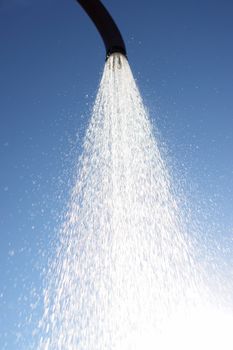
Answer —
125 274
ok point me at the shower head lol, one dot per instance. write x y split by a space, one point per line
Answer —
105 25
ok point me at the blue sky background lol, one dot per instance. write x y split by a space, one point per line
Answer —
51 60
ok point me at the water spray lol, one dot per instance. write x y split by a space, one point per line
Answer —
125 274
105 25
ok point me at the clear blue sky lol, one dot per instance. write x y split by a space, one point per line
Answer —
51 59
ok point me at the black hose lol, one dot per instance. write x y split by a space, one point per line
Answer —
106 26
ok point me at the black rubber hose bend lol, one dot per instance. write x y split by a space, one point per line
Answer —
105 25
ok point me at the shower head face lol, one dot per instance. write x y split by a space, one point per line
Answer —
105 25
116 49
